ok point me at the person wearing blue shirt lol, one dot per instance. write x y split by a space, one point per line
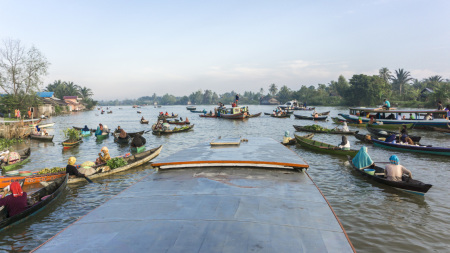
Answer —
386 104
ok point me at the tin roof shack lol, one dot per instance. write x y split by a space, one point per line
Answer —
49 106
73 102
268 100
227 196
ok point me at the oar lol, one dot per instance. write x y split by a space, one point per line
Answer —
87 179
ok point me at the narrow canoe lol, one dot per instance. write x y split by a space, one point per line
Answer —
24 158
168 117
413 148
102 136
130 134
233 116
69 144
385 134
330 131
338 121
194 111
292 141
438 129
177 122
81 128
310 118
324 113
33 179
179 130
390 126
323 147
190 108
207 116
253 115
41 137
409 185
138 149
36 201
133 161
363 138
280 116
137 112
144 121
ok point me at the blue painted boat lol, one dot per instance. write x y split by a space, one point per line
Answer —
413 148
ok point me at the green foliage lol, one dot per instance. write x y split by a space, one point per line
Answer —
6 144
72 134
366 90
316 128
116 162
58 109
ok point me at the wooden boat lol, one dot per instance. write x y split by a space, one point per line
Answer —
330 131
310 117
363 138
41 137
102 136
68 143
177 122
253 115
36 201
168 117
122 140
390 126
138 149
179 130
190 108
109 112
233 116
385 134
324 113
207 116
81 128
323 147
43 125
144 121
338 121
138 111
24 158
195 111
427 149
133 161
130 134
292 141
280 116
409 185
438 129
33 179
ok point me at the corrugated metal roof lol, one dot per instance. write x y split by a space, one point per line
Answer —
45 94
70 97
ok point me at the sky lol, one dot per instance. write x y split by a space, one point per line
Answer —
129 49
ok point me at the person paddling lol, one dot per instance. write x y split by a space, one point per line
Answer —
16 202
71 169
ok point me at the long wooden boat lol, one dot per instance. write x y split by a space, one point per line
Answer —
109 112
207 116
292 141
385 134
168 117
330 131
390 126
24 158
233 116
253 115
177 122
324 113
129 134
338 121
438 129
81 128
133 161
190 108
179 130
33 179
323 147
280 116
68 144
144 121
363 138
409 185
195 111
36 201
310 117
427 149
41 137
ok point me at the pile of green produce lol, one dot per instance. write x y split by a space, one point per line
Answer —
316 128
116 162
52 170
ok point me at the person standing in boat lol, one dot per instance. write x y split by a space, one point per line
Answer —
71 169
16 202
394 171
237 99
386 104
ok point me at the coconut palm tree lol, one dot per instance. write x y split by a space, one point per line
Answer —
273 89
401 78
85 92
385 73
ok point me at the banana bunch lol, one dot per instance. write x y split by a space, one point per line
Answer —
52 170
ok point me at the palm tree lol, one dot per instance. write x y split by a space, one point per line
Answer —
401 78
72 89
85 92
273 89
435 79
385 73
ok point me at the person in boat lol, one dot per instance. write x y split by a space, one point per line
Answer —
173 115
101 126
362 159
4 155
316 115
85 129
71 169
233 104
102 159
345 144
429 117
399 116
386 104
16 202
44 132
447 109
204 112
187 120
37 130
391 138
394 171
404 136
411 116
181 119
345 127
167 114
391 116
440 107
142 119
371 121
123 134
210 113
105 129
161 113
138 141
237 99
360 120
98 131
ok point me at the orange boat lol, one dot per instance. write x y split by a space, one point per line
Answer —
33 179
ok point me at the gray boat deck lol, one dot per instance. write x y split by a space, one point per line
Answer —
210 209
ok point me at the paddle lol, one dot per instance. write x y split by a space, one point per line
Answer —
87 179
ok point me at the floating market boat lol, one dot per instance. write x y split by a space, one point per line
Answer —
381 115
280 116
36 202
41 137
168 116
144 121
390 126
310 117
253 115
320 129
323 147
262 202
339 121
24 158
172 131
102 136
32 179
323 113
207 116
177 122
292 141
385 134
130 134
121 140
427 149
408 185
233 113
132 162
191 108
71 143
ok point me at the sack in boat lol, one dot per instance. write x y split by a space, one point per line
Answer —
103 169
13 157
87 164
87 171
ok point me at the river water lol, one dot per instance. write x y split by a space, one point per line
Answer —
376 218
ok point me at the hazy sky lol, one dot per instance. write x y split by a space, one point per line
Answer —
129 49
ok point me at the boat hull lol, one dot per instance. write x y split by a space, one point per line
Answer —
413 148
416 123
323 147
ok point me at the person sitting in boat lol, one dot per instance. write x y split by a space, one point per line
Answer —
16 202
210 113
391 116
101 126
447 109
187 120
371 121
173 115
138 141
85 130
167 114
161 113
362 160
391 138
345 144
399 116
36 130
316 115
71 169
411 116
345 127
123 134
386 104
429 117
233 104
394 171
98 131
181 119
360 120
142 119
404 136
44 132
204 111
102 159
